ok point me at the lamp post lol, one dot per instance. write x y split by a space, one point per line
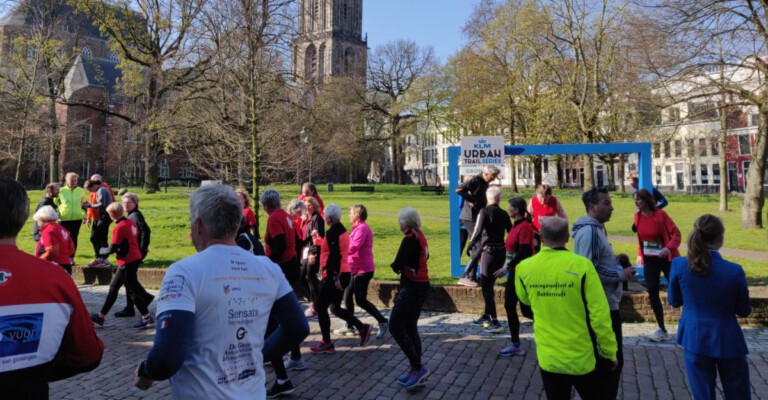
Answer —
304 136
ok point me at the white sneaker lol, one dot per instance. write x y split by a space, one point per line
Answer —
345 331
658 336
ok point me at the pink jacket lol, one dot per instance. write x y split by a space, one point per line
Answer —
360 256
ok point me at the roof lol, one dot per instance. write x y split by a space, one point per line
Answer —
93 72
30 12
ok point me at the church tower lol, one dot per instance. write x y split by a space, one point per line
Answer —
330 41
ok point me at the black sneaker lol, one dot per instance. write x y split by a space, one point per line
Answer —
125 313
97 320
482 321
278 390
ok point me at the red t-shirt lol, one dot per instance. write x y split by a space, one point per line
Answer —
280 223
548 209
325 252
126 235
43 303
520 234
422 274
55 245
250 217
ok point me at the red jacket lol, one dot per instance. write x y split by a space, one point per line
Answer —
670 234
126 237
55 245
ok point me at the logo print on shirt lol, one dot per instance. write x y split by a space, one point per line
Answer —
20 334
5 276
65 234
134 231
241 332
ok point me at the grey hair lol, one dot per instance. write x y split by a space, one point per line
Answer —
554 230
493 195
409 218
332 213
46 213
132 197
70 175
218 208
296 205
270 198
491 169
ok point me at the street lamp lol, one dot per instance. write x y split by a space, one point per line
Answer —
304 136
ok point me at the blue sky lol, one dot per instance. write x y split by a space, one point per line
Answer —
426 22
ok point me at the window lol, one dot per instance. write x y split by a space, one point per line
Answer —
31 53
164 169
657 150
667 149
691 151
85 168
546 165
693 174
674 114
716 174
679 148
658 174
113 56
85 51
704 174
754 119
745 147
714 143
668 174
702 147
86 134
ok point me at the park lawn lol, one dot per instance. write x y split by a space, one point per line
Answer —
167 215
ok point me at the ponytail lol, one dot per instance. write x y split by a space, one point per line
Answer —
706 230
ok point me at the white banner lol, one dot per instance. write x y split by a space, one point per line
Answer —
479 151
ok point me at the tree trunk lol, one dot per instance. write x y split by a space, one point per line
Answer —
151 167
513 177
611 174
588 161
20 159
537 173
512 142
722 144
55 161
754 196
622 173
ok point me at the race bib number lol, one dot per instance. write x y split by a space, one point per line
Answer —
651 249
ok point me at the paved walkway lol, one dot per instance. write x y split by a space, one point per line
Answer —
463 359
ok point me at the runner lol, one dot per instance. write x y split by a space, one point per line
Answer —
250 217
335 272
55 243
313 222
308 189
100 228
130 202
473 194
543 204
49 199
411 264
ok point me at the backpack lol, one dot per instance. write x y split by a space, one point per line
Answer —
246 241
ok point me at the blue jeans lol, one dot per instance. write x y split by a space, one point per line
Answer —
702 373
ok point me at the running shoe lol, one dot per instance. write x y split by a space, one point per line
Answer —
345 331
403 378
481 321
494 327
463 282
417 378
125 313
323 348
472 283
365 334
278 390
310 313
295 365
383 328
145 323
97 319
511 351
93 263
101 263
658 336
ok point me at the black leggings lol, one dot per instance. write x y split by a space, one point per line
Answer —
491 261
653 269
510 305
357 292
559 386
470 271
330 297
99 234
127 275
309 279
291 270
74 231
403 322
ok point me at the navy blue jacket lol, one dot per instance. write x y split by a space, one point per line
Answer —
710 304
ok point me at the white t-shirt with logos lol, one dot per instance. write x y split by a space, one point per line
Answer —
231 292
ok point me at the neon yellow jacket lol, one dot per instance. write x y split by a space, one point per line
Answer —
560 287
69 201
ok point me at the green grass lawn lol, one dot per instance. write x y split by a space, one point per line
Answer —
167 215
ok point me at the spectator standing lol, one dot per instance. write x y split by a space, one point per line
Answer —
125 243
411 264
100 228
70 206
712 292
49 199
335 271
360 259
544 204
130 202
492 224
519 246
250 217
659 198
591 241
213 310
473 193
55 244
658 239
565 294
34 294
92 215
308 189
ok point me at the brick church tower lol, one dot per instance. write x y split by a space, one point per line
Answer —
329 42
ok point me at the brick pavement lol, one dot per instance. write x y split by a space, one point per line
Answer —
463 360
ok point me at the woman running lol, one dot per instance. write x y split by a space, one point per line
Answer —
336 276
543 204
312 222
492 224
658 239
411 264
519 246
55 244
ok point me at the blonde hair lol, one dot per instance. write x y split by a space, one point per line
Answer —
313 201
132 197
359 212
243 194
115 209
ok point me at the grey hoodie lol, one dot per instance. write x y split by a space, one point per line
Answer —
590 241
